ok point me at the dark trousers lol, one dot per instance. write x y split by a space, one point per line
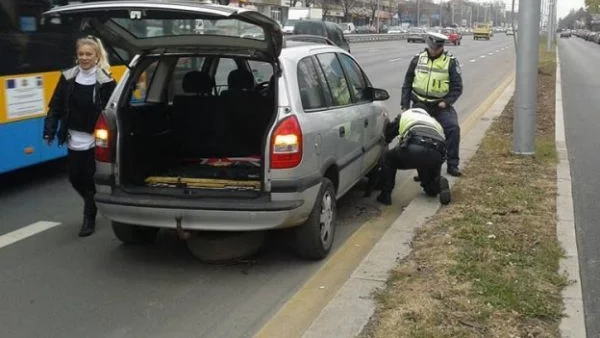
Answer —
81 166
426 160
448 118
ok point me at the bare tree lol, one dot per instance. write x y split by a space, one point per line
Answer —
325 5
346 6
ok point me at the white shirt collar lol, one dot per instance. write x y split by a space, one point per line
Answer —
86 76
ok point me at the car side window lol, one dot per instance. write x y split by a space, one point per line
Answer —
138 95
356 78
262 71
335 79
183 66
311 88
225 66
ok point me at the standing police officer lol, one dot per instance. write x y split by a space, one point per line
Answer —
421 146
434 79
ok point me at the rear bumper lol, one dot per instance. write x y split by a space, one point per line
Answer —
209 214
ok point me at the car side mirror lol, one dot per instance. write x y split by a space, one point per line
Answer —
377 94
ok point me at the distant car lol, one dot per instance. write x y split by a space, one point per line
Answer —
565 34
416 35
327 29
454 37
348 27
510 32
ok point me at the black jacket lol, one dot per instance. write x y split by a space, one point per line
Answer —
58 108
456 83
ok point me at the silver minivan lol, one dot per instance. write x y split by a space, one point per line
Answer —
230 129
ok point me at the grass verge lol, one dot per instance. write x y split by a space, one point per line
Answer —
487 265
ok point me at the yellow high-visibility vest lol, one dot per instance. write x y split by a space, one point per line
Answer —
421 124
432 77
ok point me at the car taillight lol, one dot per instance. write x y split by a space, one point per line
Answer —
286 144
102 135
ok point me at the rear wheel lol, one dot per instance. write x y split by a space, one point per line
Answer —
314 238
134 234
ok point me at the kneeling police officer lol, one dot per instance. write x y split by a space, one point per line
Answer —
421 146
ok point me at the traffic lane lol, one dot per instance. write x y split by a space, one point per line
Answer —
580 87
399 52
485 64
33 194
57 279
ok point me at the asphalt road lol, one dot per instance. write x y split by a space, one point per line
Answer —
55 284
580 85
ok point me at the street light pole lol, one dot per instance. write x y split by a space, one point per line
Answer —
418 15
526 81
377 13
549 27
441 24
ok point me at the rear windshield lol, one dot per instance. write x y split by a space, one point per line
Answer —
147 28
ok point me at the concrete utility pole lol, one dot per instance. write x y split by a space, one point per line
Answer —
526 81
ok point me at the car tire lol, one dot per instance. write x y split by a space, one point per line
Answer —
134 234
313 239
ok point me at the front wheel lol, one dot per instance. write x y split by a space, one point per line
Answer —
314 239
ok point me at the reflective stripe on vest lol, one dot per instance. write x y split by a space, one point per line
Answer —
426 124
432 77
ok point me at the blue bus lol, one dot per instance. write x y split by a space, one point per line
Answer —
32 54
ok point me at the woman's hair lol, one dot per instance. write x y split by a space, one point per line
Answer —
98 47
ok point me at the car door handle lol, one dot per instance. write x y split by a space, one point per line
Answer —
342 131
366 123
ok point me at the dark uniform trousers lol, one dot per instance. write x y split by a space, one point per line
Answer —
416 153
81 168
448 118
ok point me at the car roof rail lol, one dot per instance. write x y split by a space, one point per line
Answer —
308 38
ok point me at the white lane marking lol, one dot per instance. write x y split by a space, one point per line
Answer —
396 59
497 50
472 60
24 232
490 53
482 56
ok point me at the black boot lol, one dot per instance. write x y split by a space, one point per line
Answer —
445 195
88 227
454 171
385 198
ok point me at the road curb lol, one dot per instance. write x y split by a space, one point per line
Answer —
350 309
573 325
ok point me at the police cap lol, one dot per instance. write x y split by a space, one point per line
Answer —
436 40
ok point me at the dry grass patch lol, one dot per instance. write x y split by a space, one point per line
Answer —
487 265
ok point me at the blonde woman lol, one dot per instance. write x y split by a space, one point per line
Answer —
81 94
